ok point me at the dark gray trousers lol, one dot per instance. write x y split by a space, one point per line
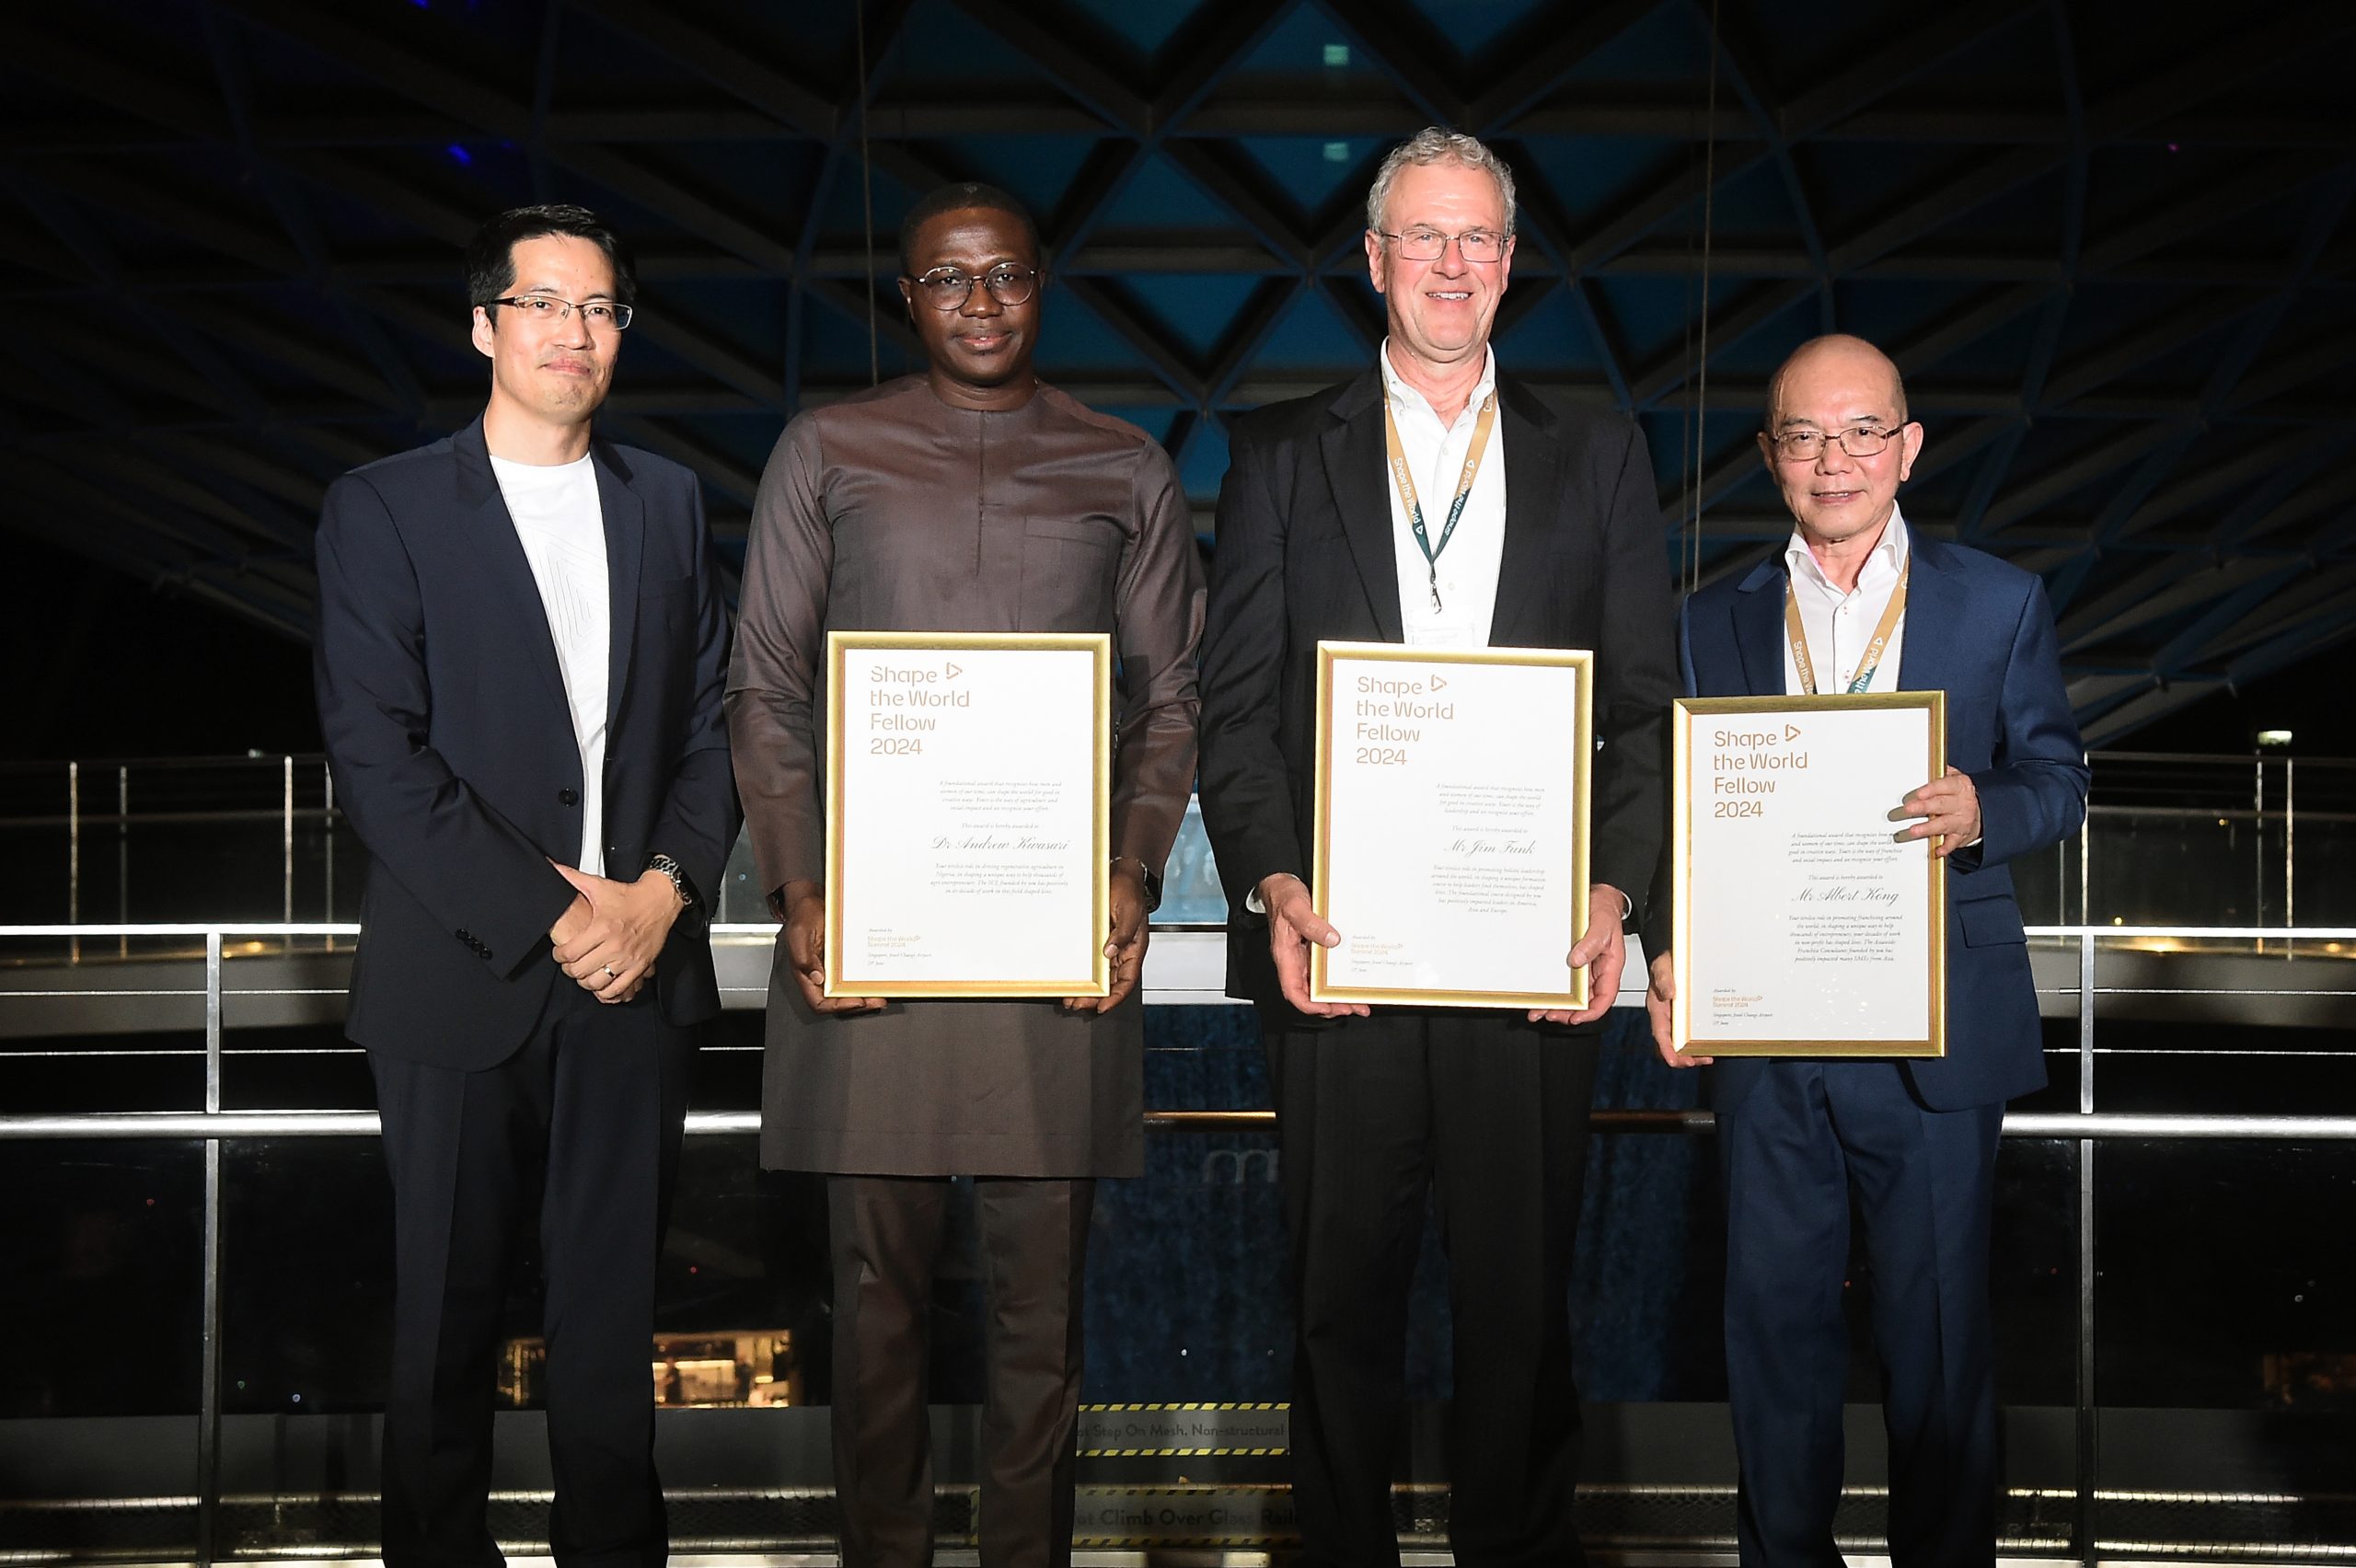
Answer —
886 1234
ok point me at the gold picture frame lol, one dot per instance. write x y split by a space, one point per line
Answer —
1581 720
1686 712
1091 979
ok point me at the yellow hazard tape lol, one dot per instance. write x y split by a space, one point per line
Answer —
1182 1450
1201 1406
1238 1538
1175 1453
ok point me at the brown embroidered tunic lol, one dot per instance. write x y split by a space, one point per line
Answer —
893 512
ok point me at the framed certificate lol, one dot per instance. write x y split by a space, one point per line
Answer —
1451 824
968 782
1803 928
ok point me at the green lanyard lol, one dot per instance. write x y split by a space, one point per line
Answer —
1406 482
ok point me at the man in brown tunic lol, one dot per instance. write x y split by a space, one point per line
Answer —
971 498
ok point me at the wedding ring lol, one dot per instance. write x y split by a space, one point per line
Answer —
609 972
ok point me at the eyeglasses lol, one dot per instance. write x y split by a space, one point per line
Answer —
1857 440
611 314
948 288
1475 245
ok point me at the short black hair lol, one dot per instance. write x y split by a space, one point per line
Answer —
490 255
965 196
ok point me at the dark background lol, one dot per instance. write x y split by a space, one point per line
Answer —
106 667
2109 244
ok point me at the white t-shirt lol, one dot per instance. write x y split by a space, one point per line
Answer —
562 529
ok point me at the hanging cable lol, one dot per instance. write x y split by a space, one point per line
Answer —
1686 468
866 192
1701 364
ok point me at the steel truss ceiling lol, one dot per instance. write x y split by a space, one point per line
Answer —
2109 244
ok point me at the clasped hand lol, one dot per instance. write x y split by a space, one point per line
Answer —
610 935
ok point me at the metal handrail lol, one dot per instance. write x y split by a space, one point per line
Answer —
730 1123
768 927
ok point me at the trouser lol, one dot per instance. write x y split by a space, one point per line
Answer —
1804 1141
1489 1114
585 1121
886 1235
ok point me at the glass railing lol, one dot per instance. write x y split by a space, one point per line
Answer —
199 1237
198 1250
2170 840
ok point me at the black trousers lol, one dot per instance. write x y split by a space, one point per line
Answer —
584 1121
1803 1142
886 1234
1488 1114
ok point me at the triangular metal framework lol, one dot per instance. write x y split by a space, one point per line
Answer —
2109 244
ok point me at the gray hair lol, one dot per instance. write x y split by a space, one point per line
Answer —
1432 144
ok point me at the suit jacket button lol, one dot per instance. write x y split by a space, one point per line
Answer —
484 951
568 796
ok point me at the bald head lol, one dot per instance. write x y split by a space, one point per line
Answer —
1852 360
1838 441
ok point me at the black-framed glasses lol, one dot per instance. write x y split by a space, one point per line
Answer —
1421 244
948 288
1857 440
609 313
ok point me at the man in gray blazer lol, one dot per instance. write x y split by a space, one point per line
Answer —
971 498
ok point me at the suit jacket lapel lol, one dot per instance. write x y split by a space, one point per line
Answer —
1534 499
1759 628
1359 470
625 518
485 518
1932 607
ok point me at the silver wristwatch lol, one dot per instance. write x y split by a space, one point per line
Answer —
678 876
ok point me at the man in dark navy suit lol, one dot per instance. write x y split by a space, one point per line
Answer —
520 656
1911 1144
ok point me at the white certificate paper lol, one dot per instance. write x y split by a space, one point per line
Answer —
1451 824
966 799
1803 928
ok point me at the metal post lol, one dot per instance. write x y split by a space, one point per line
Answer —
286 843
2085 855
122 856
2088 1434
74 858
208 1429
327 830
2257 841
2289 841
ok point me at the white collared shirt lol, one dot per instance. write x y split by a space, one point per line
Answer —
1840 625
561 525
1468 566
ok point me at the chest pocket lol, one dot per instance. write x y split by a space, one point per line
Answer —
668 604
1070 568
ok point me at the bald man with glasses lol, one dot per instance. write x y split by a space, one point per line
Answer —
1857 603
